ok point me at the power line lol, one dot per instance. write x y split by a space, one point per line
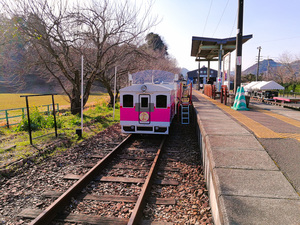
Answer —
234 24
221 17
207 17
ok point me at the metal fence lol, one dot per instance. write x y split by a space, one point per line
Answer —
9 117
290 94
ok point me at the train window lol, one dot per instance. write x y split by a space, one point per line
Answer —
128 101
144 102
161 101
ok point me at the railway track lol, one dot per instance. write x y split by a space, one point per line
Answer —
178 193
131 165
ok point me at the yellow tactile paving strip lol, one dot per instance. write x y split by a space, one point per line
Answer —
290 135
258 129
291 121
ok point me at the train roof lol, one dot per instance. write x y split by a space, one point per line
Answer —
149 88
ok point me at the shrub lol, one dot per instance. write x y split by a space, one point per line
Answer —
50 122
37 121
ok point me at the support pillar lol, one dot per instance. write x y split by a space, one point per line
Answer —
198 78
208 70
223 76
219 68
228 72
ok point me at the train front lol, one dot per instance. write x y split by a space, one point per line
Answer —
147 108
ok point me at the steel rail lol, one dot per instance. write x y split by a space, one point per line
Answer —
51 211
139 206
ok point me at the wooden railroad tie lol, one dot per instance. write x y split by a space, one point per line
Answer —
144 149
171 169
76 218
125 157
114 198
89 219
122 179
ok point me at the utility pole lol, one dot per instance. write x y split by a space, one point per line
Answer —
239 43
115 87
257 73
268 69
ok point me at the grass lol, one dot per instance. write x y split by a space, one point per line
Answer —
95 120
10 101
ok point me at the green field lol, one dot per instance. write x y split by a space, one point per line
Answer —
10 101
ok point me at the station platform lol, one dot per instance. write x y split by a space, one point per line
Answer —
251 161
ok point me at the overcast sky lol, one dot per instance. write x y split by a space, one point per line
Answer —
274 25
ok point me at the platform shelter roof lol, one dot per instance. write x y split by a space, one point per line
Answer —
207 49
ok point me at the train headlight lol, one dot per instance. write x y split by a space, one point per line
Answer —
160 129
129 128
144 88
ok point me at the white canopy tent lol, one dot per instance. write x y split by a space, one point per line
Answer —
262 86
248 87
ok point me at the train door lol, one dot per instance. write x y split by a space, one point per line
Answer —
144 109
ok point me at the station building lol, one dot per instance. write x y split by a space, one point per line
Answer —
192 76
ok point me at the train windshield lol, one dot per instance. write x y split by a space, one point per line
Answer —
144 109
144 102
161 101
128 101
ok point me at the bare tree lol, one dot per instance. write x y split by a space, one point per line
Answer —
279 75
288 72
106 33
12 54
156 60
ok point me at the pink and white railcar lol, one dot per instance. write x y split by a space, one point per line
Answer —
147 108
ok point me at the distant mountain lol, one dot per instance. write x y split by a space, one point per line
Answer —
29 83
263 67
184 72
37 85
296 65
34 84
